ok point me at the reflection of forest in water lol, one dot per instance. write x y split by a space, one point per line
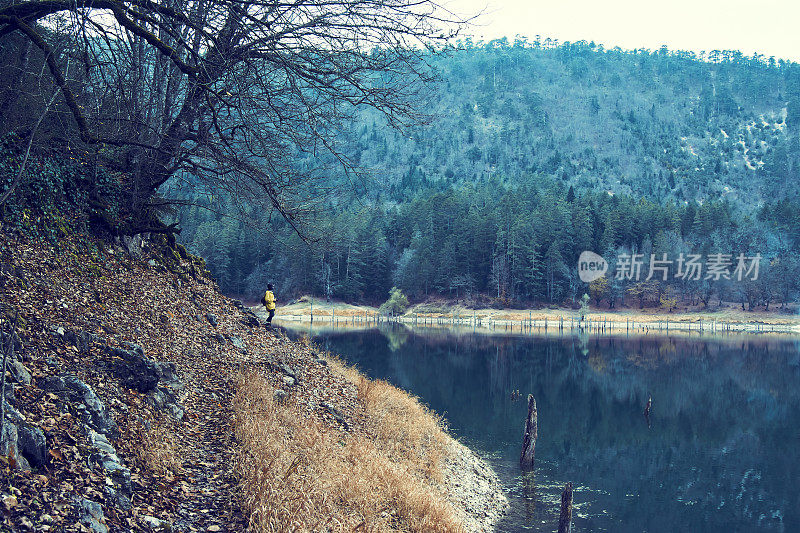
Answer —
723 449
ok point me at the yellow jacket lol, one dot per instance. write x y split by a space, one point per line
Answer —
269 298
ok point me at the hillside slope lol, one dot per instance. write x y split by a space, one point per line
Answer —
134 406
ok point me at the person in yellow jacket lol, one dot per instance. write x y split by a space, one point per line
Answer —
269 302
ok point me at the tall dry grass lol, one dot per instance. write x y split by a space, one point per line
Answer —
299 474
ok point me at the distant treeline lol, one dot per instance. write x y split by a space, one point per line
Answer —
504 244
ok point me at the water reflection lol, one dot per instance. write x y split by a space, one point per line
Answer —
718 450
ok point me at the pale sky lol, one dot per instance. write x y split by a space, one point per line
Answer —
769 27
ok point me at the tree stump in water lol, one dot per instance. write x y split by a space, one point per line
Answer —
565 518
531 434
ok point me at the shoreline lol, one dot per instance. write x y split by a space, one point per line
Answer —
551 322
726 318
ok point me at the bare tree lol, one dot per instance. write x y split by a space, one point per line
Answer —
229 94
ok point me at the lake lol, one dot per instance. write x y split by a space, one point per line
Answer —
720 451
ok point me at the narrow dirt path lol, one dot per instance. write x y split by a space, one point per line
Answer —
207 441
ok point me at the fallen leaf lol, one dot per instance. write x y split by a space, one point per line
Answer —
56 454
9 502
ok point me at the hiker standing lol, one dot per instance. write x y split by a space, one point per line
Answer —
269 303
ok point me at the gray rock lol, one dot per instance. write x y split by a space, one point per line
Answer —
336 414
105 455
12 414
82 340
100 442
91 515
19 372
283 368
156 524
289 381
251 320
168 375
32 444
133 368
236 341
152 262
280 396
175 411
95 413
9 445
17 341
212 319
133 245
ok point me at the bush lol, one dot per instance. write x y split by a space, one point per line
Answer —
396 304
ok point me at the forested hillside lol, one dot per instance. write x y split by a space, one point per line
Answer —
534 153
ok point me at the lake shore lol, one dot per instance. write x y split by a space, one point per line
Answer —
545 320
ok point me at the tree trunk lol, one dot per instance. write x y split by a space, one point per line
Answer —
531 434
565 518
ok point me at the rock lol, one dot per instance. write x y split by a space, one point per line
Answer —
32 444
219 338
289 381
101 443
17 341
9 447
164 396
168 375
19 372
212 319
283 368
12 414
236 341
152 262
320 361
251 321
119 476
156 524
280 396
82 340
336 414
134 245
95 413
133 368
91 514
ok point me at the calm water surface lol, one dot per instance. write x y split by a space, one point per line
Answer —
721 451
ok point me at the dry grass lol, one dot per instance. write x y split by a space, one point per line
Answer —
299 474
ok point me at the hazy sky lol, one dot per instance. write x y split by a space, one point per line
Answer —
770 27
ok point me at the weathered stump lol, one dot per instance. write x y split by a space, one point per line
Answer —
565 518
531 434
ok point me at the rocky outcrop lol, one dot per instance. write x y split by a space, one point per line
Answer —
166 395
132 367
90 514
90 410
118 476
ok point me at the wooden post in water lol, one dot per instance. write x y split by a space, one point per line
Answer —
531 434
565 517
